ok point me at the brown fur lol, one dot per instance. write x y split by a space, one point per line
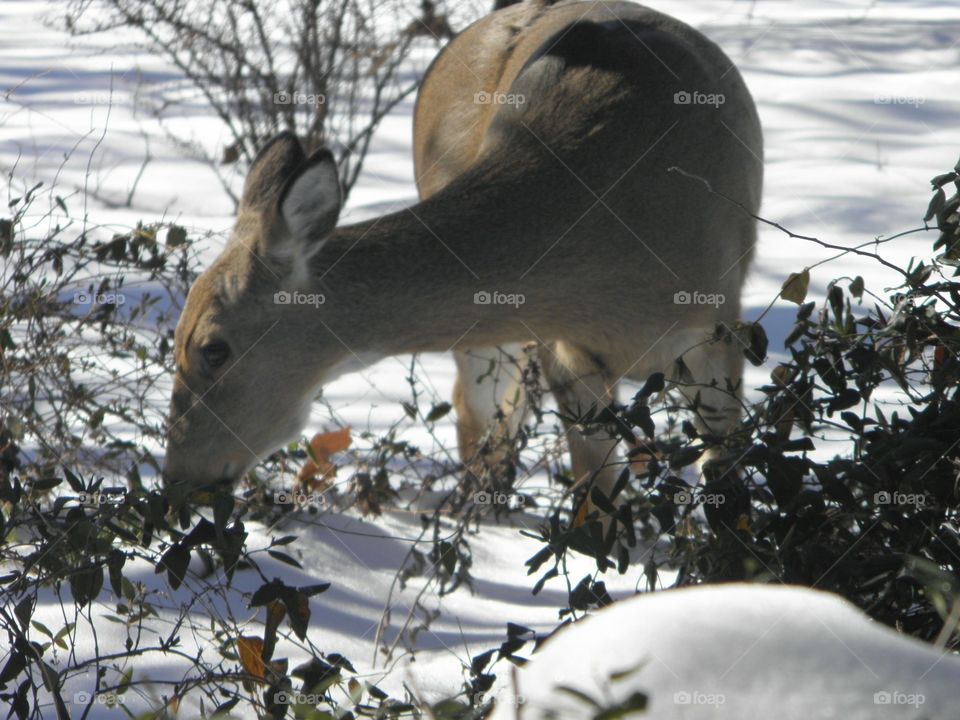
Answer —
509 203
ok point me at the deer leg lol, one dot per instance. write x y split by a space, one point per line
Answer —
491 404
582 386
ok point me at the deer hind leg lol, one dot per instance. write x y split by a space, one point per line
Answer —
582 385
491 403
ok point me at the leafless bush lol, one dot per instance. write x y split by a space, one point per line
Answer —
328 70
86 324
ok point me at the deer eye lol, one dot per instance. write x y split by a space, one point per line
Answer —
216 353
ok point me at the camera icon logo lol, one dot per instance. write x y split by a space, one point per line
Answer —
482 298
682 298
481 98
482 498
282 298
82 298
82 698
681 98
882 698
683 498
282 98
882 498
681 698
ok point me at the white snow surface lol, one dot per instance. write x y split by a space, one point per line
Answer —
859 101
740 652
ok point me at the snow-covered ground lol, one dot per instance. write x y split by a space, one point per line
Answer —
859 101
685 650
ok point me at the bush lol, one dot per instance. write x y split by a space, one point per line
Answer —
326 70
876 524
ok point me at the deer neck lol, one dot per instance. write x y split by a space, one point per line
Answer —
461 269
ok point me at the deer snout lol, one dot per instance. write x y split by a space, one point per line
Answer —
197 456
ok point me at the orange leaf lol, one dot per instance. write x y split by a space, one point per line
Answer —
322 447
250 649
939 356
581 517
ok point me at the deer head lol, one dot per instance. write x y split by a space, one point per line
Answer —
245 377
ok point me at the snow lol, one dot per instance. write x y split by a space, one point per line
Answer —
737 651
858 100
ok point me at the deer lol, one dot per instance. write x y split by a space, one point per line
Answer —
554 150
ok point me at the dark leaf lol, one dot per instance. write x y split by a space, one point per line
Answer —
85 585
175 561
438 411
284 558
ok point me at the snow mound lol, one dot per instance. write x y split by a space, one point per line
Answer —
735 651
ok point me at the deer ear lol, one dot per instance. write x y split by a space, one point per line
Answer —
310 201
277 160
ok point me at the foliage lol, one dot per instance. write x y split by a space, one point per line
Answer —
844 477
876 522
86 334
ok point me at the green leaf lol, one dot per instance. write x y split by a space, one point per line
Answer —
937 202
445 555
86 584
62 633
311 590
856 287
96 419
42 628
24 611
125 681
268 592
115 562
654 384
176 236
76 484
284 558
175 561
46 483
6 237
298 611
756 352
438 411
